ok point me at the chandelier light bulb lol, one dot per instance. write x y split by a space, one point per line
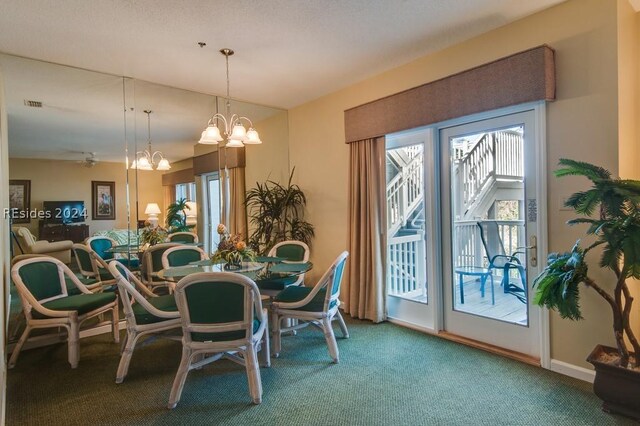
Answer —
252 137
239 132
163 165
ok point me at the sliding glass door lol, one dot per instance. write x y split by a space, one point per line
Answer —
411 231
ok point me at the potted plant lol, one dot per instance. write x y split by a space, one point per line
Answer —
615 203
277 214
176 217
231 249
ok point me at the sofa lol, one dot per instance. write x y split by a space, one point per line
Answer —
61 250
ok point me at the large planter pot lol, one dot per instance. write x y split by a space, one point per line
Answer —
618 387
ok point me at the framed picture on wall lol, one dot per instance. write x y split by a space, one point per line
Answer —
20 199
103 195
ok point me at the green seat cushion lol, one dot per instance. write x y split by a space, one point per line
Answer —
71 287
163 303
82 303
42 279
297 293
131 264
276 284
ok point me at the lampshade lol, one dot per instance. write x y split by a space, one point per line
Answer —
252 137
144 164
211 135
134 164
239 132
152 209
234 143
163 165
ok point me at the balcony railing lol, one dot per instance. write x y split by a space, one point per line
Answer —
405 266
468 249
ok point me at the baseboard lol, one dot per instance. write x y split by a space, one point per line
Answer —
571 370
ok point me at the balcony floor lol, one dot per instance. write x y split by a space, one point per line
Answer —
507 308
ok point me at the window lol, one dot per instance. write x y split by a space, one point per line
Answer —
186 191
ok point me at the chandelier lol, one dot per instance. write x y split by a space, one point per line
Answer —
234 130
146 160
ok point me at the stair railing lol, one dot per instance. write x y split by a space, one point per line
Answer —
404 194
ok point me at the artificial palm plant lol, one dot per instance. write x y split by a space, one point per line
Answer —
277 214
616 228
176 218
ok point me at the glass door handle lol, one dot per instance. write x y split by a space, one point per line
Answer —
533 259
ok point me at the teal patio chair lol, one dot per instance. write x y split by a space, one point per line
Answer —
317 306
222 316
293 252
152 264
92 267
40 282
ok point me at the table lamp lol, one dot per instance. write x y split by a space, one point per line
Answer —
153 210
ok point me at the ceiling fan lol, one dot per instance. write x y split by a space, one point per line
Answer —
90 160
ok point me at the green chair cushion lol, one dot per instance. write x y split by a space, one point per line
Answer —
183 257
163 303
276 284
297 293
105 275
82 303
182 238
292 252
71 287
42 279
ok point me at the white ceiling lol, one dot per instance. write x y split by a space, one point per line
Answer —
287 51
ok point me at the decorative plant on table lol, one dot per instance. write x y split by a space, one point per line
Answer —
277 214
231 249
153 235
176 217
616 229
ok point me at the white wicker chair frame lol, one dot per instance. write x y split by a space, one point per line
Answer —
133 291
242 351
305 259
67 319
322 319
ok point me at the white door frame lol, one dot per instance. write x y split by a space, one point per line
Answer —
539 113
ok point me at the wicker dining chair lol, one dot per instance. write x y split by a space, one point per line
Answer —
152 264
182 256
183 237
46 303
91 266
146 313
222 316
102 244
317 306
294 252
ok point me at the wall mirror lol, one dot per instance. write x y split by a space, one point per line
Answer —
73 134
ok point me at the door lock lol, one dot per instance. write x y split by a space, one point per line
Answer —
533 259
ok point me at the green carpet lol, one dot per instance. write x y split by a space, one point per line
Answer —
388 375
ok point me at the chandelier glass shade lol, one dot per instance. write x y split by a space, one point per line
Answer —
148 159
234 131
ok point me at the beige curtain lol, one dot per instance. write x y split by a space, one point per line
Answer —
234 210
364 292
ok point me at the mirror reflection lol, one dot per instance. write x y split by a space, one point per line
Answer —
73 135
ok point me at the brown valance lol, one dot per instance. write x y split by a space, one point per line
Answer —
522 77
180 176
208 163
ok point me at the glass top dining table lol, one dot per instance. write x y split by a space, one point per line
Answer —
262 269
134 248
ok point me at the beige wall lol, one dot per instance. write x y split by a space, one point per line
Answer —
581 124
270 160
54 180
629 109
